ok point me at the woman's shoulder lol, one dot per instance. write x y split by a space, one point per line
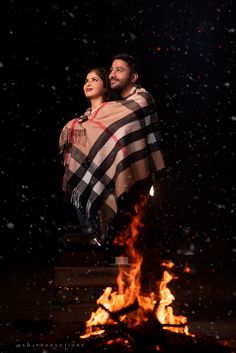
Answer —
71 122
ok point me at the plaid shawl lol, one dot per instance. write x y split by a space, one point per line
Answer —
107 151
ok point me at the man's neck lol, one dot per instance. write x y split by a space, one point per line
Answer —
129 92
126 91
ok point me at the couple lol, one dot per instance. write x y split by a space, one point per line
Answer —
111 151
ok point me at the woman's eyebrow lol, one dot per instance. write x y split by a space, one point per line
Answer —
92 78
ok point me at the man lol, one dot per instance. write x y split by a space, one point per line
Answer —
124 79
123 74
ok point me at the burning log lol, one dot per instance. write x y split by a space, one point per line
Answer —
115 315
145 339
141 336
125 310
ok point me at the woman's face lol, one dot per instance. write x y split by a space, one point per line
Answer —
94 86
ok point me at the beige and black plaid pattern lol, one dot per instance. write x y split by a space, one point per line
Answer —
107 154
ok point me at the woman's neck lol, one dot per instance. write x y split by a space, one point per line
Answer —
96 102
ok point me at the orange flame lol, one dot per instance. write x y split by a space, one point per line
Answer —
129 288
164 312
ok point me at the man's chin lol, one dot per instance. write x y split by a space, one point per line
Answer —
115 86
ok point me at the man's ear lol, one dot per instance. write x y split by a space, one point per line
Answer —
134 77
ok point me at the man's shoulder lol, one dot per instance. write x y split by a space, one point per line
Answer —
141 93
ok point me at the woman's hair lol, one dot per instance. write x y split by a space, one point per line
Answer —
103 73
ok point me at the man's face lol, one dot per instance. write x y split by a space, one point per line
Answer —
120 76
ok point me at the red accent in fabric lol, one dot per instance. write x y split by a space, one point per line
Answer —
71 138
113 136
94 115
103 127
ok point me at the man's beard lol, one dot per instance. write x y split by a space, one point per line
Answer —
119 87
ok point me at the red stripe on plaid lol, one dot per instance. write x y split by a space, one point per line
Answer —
71 138
103 127
94 115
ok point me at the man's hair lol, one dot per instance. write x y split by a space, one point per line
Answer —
130 60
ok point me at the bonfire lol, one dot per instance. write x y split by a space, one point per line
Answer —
127 305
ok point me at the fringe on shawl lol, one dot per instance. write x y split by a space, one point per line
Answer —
75 200
75 197
103 222
76 136
63 140
80 136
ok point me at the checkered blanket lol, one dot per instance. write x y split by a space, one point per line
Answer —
107 151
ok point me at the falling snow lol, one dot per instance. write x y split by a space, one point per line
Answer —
186 54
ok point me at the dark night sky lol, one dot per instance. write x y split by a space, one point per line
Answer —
185 50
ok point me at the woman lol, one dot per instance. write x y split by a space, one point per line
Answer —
97 91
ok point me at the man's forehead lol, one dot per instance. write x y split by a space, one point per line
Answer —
119 63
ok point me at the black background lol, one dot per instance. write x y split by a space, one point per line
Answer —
186 52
